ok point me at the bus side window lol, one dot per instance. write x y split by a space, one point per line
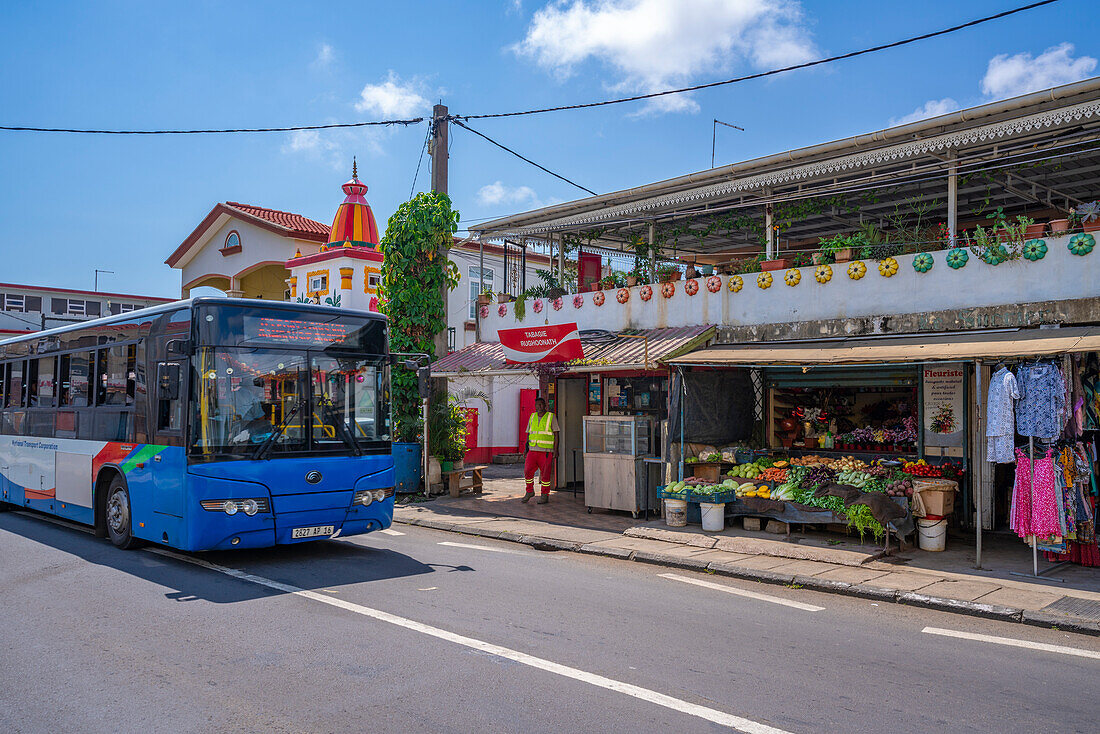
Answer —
169 376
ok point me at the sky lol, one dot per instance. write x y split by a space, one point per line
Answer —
72 203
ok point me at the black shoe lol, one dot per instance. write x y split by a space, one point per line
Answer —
544 499
527 497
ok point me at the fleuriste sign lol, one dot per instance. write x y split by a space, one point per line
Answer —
528 345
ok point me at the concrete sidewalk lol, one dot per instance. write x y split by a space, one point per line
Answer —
838 570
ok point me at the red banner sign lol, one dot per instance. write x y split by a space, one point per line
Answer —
527 345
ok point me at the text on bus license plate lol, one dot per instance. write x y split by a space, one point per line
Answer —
313 532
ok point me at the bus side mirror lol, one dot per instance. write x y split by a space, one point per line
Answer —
168 381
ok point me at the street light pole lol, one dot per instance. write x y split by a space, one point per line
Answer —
95 288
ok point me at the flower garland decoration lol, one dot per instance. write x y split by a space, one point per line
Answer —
1081 244
483 312
792 277
714 284
764 281
923 262
668 289
502 309
646 292
537 305
578 301
887 267
598 298
691 287
623 295
736 283
1035 250
857 270
823 274
957 258
557 303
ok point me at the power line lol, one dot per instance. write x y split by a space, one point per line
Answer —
329 126
762 74
517 155
427 136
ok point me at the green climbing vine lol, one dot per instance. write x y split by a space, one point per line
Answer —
414 274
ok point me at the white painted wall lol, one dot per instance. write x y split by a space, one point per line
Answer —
1058 276
498 427
459 299
21 320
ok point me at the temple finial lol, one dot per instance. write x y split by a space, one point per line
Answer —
354 171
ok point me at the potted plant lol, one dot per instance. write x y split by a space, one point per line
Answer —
780 263
485 297
691 271
666 273
1059 226
447 432
503 297
1089 215
607 282
1035 229
834 249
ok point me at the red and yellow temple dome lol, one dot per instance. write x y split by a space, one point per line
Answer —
354 222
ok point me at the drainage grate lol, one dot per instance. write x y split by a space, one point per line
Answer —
1073 607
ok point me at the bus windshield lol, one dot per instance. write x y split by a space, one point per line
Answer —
308 388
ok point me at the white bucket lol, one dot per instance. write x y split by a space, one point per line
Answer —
676 513
932 534
714 515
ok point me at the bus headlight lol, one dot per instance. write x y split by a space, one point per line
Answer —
379 495
229 507
250 507
363 497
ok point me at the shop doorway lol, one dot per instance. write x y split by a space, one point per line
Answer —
572 400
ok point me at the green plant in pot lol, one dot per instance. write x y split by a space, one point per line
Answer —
667 272
607 282
447 430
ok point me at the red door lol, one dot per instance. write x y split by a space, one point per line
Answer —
527 397
473 454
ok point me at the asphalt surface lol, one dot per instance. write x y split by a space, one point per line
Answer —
97 639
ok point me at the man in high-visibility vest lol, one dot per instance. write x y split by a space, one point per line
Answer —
542 444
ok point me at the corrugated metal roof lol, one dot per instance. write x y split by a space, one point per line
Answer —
601 348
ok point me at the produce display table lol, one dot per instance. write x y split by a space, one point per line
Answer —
793 512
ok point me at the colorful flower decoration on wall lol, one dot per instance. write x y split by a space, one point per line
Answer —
483 312
691 287
923 262
668 289
994 255
957 258
502 309
764 280
823 274
887 267
792 277
537 305
714 284
1081 244
1035 250
857 270
557 303
578 301
736 283
646 292
623 295
598 298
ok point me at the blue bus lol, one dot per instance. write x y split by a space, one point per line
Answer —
212 423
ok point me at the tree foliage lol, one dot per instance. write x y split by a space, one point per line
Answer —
415 274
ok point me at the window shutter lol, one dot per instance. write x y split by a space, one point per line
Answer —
34 303
60 305
92 308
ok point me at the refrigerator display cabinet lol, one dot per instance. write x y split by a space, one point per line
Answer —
615 473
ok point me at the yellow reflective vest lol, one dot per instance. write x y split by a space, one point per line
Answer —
540 432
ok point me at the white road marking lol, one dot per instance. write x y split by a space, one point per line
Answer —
742 592
1013 643
388 531
660 699
484 548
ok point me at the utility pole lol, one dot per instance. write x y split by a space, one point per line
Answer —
439 148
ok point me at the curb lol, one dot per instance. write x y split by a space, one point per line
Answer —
828 586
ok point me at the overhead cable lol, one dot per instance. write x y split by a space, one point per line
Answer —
524 158
294 128
762 74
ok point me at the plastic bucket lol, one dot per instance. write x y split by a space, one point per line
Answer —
932 533
676 513
714 515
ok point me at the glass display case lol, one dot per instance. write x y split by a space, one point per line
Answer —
616 476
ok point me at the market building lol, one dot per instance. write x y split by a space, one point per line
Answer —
863 290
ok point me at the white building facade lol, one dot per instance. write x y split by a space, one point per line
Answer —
27 308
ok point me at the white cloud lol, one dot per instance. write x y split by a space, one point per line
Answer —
655 45
498 193
392 98
931 108
335 148
1011 76
325 56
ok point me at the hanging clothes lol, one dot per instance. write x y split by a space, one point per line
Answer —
1035 510
1000 417
1040 411
1090 385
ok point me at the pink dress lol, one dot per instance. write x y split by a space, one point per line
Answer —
1035 513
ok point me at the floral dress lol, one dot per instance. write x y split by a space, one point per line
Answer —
1035 511
1000 417
1041 411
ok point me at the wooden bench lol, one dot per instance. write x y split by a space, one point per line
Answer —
456 480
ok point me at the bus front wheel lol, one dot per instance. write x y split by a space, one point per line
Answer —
118 516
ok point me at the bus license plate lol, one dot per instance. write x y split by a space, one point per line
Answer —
313 532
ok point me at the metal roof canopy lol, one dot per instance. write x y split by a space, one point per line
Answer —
961 347
1052 137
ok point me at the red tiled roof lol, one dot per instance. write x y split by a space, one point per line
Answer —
296 223
609 349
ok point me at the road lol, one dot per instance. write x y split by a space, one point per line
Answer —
432 631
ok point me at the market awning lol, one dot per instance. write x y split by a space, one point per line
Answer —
909 348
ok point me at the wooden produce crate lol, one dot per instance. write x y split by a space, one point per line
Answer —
709 471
